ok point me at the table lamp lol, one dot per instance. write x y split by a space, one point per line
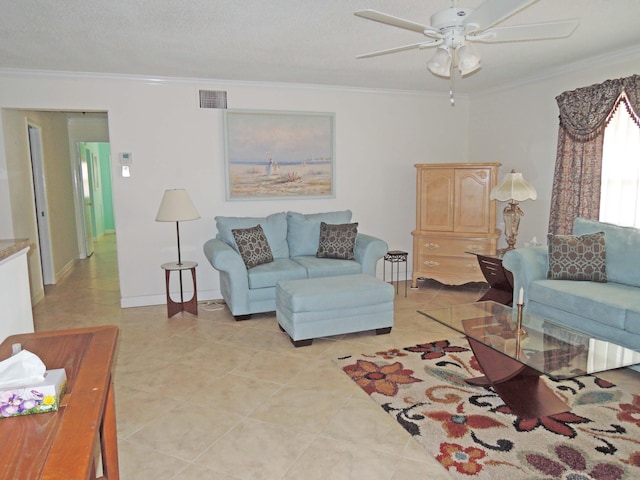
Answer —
176 206
513 189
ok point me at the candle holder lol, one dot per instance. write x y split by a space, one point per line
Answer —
519 329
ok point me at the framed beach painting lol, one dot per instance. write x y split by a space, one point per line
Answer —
279 155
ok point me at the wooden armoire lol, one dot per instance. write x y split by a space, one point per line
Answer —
454 216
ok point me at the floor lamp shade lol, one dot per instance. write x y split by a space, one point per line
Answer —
176 206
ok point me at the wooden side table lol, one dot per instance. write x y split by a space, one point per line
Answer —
190 306
500 280
65 443
396 257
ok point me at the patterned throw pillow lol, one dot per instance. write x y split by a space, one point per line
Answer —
577 258
337 241
252 245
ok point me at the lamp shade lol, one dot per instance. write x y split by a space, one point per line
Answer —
467 60
176 206
440 64
513 187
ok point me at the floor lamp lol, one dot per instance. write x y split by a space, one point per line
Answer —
176 206
513 189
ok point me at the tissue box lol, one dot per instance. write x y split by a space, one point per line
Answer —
42 397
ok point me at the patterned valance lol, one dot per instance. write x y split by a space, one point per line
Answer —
584 111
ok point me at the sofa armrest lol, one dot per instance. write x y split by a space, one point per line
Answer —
234 278
527 265
368 251
223 257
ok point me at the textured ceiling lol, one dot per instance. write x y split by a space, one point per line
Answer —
293 41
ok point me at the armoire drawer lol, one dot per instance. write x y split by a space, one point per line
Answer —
444 264
434 245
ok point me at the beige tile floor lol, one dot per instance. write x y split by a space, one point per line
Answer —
207 397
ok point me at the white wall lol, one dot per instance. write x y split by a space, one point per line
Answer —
175 144
518 127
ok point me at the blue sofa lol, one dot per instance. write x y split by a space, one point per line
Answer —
293 238
610 311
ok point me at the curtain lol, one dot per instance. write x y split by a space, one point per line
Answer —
584 113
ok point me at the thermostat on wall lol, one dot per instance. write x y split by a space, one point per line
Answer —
126 158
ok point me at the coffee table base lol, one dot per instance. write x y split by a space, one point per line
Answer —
519 386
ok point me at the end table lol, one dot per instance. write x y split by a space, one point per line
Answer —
500 279
190 306
395 257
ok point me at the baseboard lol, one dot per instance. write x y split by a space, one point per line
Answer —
150 300
64 271
143 301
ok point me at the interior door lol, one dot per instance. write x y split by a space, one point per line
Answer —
87 193
41 206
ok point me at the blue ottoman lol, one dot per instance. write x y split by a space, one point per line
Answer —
320 307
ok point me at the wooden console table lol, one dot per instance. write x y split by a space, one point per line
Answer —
66 444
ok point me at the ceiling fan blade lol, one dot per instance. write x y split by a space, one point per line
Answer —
492 12
534 31
401 49
395 21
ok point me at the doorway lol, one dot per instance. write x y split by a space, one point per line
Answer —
50 143
94 160
86 171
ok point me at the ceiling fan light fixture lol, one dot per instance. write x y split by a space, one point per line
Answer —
440 63
468 61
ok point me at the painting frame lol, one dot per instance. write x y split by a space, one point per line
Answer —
279 155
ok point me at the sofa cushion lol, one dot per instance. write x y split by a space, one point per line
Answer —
303 233
604 303
337 241
623 249
252 245
327 267
633 320
274 227
577 257
269 274
331 294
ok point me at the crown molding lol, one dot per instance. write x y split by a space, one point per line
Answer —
208 82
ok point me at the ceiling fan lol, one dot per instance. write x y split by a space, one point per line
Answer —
452 31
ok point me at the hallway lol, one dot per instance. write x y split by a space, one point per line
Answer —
88 295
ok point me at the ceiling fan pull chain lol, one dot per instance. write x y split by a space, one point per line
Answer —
451 76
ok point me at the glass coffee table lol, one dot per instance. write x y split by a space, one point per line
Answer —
512 364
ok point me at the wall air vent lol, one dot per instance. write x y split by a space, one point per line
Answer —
213 99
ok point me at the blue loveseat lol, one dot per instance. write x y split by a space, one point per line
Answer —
610 311
293 238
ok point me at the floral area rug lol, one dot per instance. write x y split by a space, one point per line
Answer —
472 433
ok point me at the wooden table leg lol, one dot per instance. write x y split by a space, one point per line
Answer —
109 438
191 306
172 307
519 386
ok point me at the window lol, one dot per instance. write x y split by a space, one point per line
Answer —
620 181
